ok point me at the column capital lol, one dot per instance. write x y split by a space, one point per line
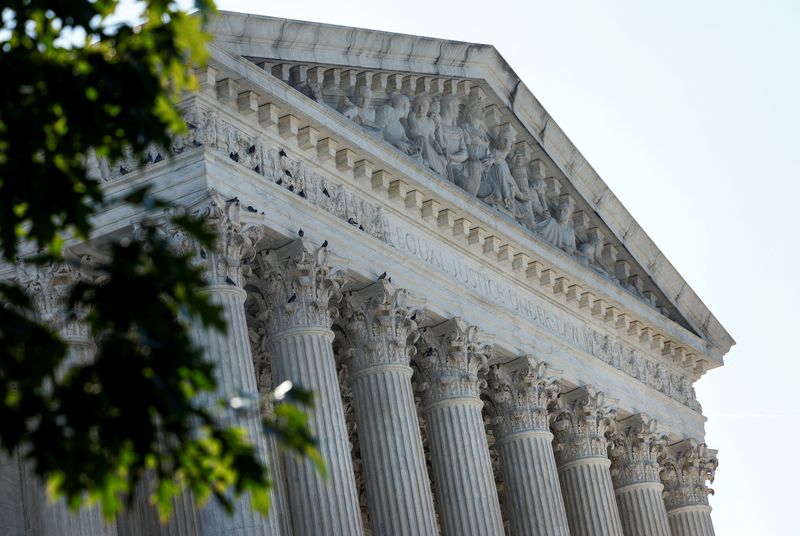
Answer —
49 287
521 392
450 356
635 450
581 425
687 467
235 245
383 323
297 284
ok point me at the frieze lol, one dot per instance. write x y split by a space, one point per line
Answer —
578 334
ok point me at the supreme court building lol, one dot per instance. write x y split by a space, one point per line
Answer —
495 345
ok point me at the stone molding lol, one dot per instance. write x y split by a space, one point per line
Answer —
635 450
263 156
581 425
521 393
450 356
687 467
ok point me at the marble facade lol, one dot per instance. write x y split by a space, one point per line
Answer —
495 345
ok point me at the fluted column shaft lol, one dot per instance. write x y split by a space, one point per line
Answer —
641 510
691 521
635 449
520 393
234 372
583 465
380 321
465 486
304 356
295 286
536 504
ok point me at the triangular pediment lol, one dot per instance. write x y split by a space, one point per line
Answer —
458 111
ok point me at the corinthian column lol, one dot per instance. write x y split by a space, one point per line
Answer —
521 392
581 425
49 288
688 466
298 284
451 356
381 321
230 353
635 449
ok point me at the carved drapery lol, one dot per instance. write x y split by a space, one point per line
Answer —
635 450
449 358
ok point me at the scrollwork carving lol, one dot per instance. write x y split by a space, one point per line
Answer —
298 285
383 323
582 423
521 393
450 357
635 450
687 467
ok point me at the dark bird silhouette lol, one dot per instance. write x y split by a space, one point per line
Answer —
234 157
302 194
325 244
282 152
293 298
325 192
351 221
382 276
232 200
300 232
279 181
230 281
291 188
251 209
360 227
251 149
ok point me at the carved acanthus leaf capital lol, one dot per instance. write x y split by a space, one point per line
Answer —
581 425
635 450
299 284
383 324
687 468
521 392
450 356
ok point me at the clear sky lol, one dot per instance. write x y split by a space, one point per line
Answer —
689 111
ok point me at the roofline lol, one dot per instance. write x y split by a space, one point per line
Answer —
272 37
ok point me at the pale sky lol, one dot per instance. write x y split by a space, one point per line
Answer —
689 112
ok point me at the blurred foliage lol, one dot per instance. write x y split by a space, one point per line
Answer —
78 79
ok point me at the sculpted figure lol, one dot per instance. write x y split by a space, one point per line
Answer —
591 252
498 182
421 130
361 110
560 231
394 117
479 157
451 140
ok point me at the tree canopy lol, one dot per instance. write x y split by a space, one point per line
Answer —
79 81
